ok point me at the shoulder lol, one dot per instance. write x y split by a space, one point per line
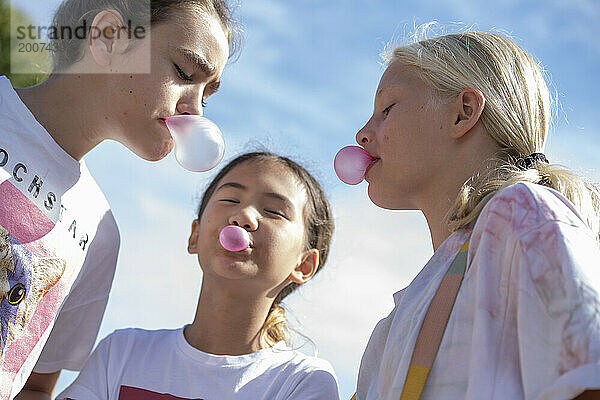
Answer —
100 263
92 192
525 206
123 341
313 364
527 225
538 230
310 374
139 334
109 230
376 345
86 197
7 94
303 365
301 360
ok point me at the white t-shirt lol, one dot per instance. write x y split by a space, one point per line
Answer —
526 322
135 364
58 250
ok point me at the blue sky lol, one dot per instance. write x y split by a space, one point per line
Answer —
303 85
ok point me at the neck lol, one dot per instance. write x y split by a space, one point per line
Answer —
227 320
435 214
436 199
70 118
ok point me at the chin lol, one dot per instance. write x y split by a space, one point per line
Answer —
383 200
233 270
156 153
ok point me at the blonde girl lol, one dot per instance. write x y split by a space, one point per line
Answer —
458 131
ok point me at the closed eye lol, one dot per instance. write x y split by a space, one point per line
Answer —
182 75
230 201
276 213
386 111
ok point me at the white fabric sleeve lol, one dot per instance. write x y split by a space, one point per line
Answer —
92 382
556 274
76 326
320 384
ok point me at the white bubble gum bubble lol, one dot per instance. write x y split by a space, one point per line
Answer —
199 144
351 164
234 238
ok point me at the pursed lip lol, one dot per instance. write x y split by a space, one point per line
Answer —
243 253
163 122
375 160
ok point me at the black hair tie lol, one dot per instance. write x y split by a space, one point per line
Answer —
532 159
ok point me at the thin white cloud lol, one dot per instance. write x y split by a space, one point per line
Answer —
275 17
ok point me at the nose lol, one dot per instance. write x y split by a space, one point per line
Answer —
246 219
365 135
190 101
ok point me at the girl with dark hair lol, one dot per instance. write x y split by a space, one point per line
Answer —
60 239
236 345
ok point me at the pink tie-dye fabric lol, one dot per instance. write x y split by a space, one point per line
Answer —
526 322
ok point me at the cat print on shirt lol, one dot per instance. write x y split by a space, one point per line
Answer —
24 280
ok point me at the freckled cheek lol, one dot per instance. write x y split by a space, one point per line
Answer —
148 93
388 131
387 139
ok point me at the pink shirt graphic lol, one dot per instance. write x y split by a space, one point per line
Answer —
58 251
133 393
30 279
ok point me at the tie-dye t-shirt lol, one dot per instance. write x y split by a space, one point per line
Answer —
526 322
58 251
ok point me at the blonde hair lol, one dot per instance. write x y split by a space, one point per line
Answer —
517 115
275 328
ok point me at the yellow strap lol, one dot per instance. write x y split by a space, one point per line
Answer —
431 332
415 382
416 375
416 378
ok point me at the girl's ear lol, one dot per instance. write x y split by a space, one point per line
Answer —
105 32
193 240
306 268
468 108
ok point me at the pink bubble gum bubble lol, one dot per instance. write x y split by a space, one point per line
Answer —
351 164
199 144
234 238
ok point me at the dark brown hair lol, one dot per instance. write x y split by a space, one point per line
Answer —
72 13
318 221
